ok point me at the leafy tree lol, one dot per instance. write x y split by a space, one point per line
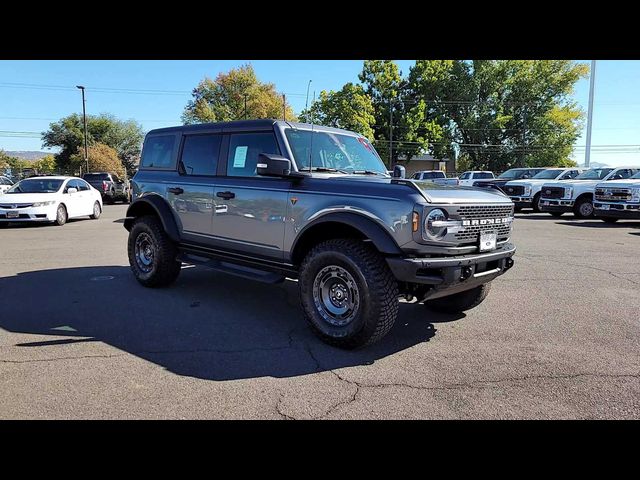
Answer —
46 164
125 136
102 158
349 108
502 113
14 163
223 99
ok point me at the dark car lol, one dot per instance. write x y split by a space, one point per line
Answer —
109 185
511 174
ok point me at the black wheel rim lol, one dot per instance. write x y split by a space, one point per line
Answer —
336 295
144 252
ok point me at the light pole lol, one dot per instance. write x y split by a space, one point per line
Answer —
592 81
84 119
306 103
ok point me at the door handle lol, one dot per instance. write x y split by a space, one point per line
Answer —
175 190
226 195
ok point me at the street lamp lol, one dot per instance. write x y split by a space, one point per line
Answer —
84 119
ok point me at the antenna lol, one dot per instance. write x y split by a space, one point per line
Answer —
311 141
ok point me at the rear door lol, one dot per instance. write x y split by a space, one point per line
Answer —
192 195
250 210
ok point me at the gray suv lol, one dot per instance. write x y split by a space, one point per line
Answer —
269 200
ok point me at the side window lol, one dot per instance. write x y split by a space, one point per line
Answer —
244 149
82 185
465 176
158 151
71 184
624 173
200 154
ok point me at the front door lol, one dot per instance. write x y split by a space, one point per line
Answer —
250 210
192 195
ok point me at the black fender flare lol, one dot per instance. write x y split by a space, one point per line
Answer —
367 226
153 204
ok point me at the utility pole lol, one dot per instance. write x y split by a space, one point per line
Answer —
284 107
84 119
524 136
390 134
306 103
592 81
245 106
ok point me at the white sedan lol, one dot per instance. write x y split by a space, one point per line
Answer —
49 199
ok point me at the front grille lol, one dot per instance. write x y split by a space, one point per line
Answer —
513 190
484 211
13 206
552 192
22 215
472 233
613 194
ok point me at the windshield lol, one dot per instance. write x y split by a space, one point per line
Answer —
36 186
513 173
594 174
92 177
548 174
331 151
637 175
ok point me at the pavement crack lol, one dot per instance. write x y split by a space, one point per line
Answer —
281 412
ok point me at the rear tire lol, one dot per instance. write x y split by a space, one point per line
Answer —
97 211
61 215
348 294
460 302
152 254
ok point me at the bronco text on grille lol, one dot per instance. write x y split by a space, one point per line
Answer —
479 218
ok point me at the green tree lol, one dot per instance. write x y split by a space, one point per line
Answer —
502 113
223 99
102 158
125 136
349 108
14 163
46 164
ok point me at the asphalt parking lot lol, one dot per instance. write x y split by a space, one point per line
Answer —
558 337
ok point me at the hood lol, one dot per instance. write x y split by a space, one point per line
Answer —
569 183
532 181
625 183
437 193
26 197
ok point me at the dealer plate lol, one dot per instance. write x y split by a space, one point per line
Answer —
604 207
487 241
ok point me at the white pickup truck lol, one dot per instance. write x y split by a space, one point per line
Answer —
618 199
436 176
577 195
467 178
526 193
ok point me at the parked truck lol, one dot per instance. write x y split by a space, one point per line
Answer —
618 199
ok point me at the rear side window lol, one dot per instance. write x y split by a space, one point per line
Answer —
158 151
82 185
466 175
244 149
482 175
430 175
200 154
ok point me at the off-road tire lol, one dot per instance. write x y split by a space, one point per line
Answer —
164 268
535 204
460 302
61 215
95 216
377 292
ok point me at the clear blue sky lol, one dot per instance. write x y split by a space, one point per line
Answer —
31 109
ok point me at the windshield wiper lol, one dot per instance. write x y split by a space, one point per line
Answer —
328 169
368 172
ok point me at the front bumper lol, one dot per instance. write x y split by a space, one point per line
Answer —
450 275
617 210
522 202
555 205
30 214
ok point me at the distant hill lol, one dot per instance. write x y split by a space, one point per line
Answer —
595 165
28 155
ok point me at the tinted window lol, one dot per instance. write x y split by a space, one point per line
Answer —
158 151
200 154
430 175
244 150
483 175
466 175
82 185
95 176
36 186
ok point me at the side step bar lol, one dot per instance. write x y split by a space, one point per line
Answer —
231 268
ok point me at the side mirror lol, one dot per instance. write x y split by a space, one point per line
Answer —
72 190
399 171
526 175
271 165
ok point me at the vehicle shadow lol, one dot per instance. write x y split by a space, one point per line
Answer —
595 223
540 216
207 325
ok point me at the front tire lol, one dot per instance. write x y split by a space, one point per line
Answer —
97 211
460 302
61 215
348 294
152 254
583 208
536 203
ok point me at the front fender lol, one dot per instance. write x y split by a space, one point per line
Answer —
153 205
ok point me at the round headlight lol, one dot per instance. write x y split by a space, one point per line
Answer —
432 229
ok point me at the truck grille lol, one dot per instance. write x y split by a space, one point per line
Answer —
613 194
484 211
471 233
552 192
513 190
